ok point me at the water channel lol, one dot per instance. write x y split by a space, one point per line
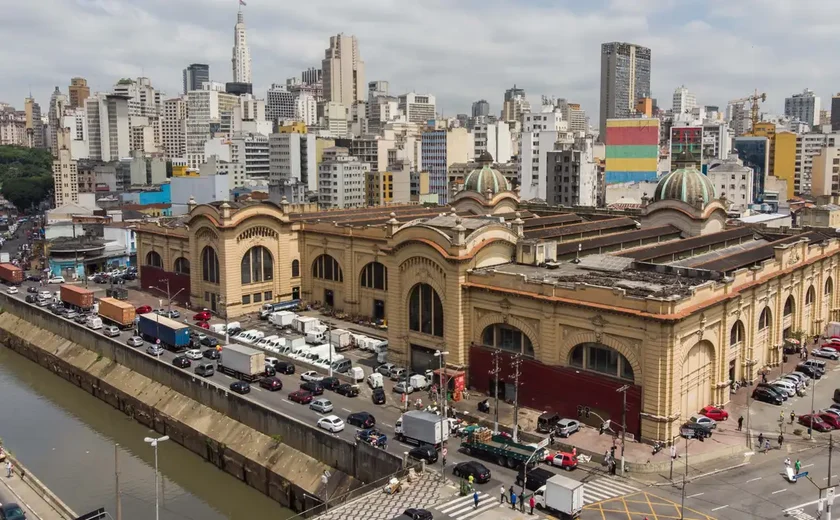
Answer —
66 437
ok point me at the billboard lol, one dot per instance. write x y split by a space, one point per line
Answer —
632 150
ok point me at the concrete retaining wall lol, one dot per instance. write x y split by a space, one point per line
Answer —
43 491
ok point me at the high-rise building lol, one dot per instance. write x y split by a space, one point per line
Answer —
311 76
784 162
825 172
439 150
342 180
292 159
208 112
515 104
418 108
480 108
343 71
377 89
684 101
12 126
575 115
733 180
108 127
495 139
804 107
58 103
541 131
835 113
241 60
34 124
174 128
336 119
75 119
807 146
755 153
632 149
573 174
279 103
79 92
717 141
65 171
306 109
625 78
196 75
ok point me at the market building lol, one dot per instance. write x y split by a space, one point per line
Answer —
665 299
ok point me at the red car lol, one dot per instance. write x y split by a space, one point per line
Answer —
143 309
562 459
715 413
831 346
300 396
203 325
202 316
819 424
830 419
271 383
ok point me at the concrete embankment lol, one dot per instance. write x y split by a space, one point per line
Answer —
264 462
33 495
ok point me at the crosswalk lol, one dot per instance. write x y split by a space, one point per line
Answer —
604 489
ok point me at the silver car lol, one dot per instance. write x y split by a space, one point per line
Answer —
321 405
135 341
566 427
702 420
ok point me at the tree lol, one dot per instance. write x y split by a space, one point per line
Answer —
25 175
26 192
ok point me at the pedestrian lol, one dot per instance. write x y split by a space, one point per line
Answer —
532 503
513 500
766 445
763 377
9 469
760 439
787 462
797 466
502 495
740 422
510 492
475 499
471 479
792 416
781 416
781 440
551 438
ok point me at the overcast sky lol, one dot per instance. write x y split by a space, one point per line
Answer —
458 50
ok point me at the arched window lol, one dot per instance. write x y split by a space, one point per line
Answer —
596 357
425 310
326 267
153 259
810 296
375 276
257 265
736 334
829 287
790 306
764 319
182 265
295 268
508 338
209 265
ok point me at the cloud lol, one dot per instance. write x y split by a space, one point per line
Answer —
460 51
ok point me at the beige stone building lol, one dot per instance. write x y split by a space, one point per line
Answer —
666 299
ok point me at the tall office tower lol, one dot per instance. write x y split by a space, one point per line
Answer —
418 108
575 115
342 179
208 112
377 88
279 103
625 78
196 75
306 109
108 129
174 128
481 108
241 60
311 76
515 104
684 101
79 92
439 150
343 71
804 107
58 102
34 125
65 171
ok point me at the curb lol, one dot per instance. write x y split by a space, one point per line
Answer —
29 479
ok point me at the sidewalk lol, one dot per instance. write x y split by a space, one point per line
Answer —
34 497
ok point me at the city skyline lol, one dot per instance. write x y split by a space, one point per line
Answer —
146 38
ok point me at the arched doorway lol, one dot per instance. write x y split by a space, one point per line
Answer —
737 336
696 380
506 338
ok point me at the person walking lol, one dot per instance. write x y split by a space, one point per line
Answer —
792 416
532 503
740 422
513 500
760 439
781 416
475 499
502 495
797 466
781 440
510 492
766 445
8 469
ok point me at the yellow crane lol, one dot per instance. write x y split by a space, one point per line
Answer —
754 99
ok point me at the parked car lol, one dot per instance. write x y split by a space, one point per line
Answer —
778 391
831 419
562 459
181 362
11 511
301 396
828 353
272 384
815 420
143 309
424 452
332 423
330 383
111 331
361 420
321 405
135 341
417 514
80 319
154 350
211 353
691 430
766 396
311 375
193 353
703 421
12 290
566 427
715 413
385 369
473 469
312 387
378 396
207 341
403 388
397 373
347 389
202 316
813 373
205 369
240 387
71 314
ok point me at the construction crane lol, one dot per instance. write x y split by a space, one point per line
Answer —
754 99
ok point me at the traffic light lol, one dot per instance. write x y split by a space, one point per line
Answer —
586 411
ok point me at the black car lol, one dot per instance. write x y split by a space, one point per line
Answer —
11 511
284 367
129 276
210 342
100 279
348 390
774 390
271 384
31 298
181 362
417 514
269 371
766 396
473 469
534 479
813 373
32 289
240 387
57 309
425 452
330 383
378 396
691 430
211 354
363 420
33 278
312 387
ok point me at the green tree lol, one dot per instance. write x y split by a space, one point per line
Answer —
26 192
25 175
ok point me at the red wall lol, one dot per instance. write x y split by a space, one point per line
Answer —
560 389
624 135
152 276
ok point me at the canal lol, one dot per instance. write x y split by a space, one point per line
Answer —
66 437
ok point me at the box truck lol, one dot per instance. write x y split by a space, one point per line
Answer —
117 312
421 427
340 339
832 329
241 362
282 318
172 335
77 297
561 494
11 274
304 324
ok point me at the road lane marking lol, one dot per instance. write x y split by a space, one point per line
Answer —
695 495
286 401
779 491
807 466
388 425
800 506
832 476
721 507
346 410
753 479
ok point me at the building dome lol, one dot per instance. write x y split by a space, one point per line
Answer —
485 178
686 184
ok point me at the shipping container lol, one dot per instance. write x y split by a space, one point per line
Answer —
119 313
172 335
242 362
77 297
11 274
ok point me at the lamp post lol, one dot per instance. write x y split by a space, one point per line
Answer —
440 354
169 297
154 442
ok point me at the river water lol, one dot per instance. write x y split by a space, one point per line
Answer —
66 437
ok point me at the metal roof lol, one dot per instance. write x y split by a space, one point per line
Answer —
542 222
584 227
758 254
616 238
679 246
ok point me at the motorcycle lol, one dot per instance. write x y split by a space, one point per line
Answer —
657 447
484 406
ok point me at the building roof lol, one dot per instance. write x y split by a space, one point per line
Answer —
486 178
687 185
762 217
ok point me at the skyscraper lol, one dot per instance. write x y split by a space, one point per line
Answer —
343 71
79 92
241 60
684 101
515 104
311 76
804 107
34 125
481 108
625 78
835 113
196 75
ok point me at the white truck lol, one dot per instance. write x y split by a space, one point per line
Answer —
832 329
561 494
242 362
340 339
304 324
317 335
282 318
420 427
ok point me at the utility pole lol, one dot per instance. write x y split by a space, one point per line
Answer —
682 500
517 362
117 480
495 373
829 495
623 391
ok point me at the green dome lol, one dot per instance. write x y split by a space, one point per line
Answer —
486 178
686 184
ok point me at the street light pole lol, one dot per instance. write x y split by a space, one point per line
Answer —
517 362
623 391
811 428
495 373
440 355
154 442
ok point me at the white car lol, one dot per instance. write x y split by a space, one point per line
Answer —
45 294
312 376
135 341
331 423
56 279
12 290
403 388
154 350
193 353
